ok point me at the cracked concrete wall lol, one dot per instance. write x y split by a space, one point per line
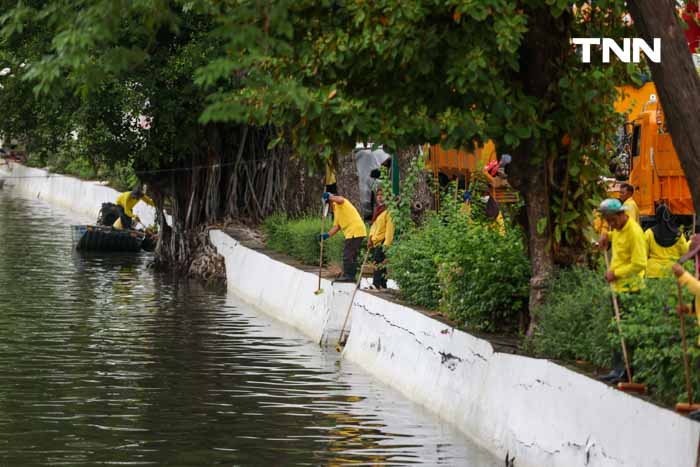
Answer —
70 193
534 410
283 291
541 413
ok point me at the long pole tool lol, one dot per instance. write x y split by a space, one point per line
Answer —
685 407
343 337
319 290
629 386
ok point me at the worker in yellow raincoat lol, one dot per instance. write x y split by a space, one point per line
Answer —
626 193
126 202
381 236
330 179
665 244
347 219
627 266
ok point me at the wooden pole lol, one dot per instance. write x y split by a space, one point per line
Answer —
341 343
681 316
619 325
320 261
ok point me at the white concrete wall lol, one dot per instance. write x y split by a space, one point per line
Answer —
541 413
283 291
83 197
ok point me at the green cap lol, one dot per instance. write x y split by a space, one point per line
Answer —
611 206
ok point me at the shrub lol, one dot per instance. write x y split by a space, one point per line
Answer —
574 321
577 322
413 263
652 329
298 239
484 277
464 268
276 230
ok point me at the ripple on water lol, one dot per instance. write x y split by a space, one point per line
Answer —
104 361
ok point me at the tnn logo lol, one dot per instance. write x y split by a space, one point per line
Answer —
630 51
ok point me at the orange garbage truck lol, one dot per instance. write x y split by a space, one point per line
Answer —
648 159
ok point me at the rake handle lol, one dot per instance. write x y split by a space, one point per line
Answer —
320 260
618 320
686 364
352 299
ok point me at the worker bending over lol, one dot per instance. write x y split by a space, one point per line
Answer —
381 236
627 266
665 244
626 193
349 221
126 202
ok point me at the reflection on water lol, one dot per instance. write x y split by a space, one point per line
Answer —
103 361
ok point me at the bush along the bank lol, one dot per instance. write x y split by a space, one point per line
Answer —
577 322
651 327
574 321
465 268
298 238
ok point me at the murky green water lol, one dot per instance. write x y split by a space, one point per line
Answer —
103 361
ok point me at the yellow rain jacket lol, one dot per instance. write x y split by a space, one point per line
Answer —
599 224
330 173
659 258
632 210
629 257
126 201
382 230
349 220
693 286
500 222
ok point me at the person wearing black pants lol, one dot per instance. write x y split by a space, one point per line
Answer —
625 273
351 248
381 236
379 278
347 219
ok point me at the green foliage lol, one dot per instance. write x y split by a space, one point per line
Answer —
651 327
82 74
413 263
298 239
325 74
398 73
465 268
577 322
399 207
574 321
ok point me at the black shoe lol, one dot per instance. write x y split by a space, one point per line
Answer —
694 415
615 376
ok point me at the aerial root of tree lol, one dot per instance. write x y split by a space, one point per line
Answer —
207 263
235 175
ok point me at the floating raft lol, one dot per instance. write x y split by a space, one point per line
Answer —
99 238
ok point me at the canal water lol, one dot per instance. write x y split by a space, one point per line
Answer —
104 361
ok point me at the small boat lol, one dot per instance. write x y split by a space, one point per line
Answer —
103 238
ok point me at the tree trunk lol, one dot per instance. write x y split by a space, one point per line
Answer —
531 182
544 48
677 83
